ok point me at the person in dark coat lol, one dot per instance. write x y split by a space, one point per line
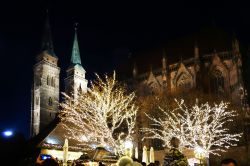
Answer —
174 157
228 162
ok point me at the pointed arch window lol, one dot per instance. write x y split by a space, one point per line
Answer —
80 89
217 82
53 81
183 82
48 80
38 81
50 102
37 100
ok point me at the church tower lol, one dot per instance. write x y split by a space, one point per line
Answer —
45 89
75 80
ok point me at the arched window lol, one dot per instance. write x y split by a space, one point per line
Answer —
50 101
38 81
52 81
183 82
80 89
217 82
48 80
37 100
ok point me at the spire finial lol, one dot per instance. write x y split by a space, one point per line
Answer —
151 68
76 24
195 43
196 50
163 53
164 60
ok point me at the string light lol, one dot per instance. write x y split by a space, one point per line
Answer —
105 115
198 126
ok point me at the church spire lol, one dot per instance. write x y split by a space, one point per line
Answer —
75 81
75 56
47 44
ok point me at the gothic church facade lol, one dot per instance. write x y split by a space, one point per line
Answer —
217 73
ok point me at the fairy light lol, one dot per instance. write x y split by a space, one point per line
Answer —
200 126
106 115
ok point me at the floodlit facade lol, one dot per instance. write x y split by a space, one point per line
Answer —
46 82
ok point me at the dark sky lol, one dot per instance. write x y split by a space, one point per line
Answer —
107 32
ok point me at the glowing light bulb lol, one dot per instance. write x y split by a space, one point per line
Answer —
128 144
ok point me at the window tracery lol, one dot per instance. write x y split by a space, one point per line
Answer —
183 82
217 82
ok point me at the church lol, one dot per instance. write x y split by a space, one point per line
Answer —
217 72
45 89
45 129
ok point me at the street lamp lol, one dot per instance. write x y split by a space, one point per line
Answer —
200 153
128 144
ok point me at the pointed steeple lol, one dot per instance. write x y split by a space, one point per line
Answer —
75 56
75 81
47 44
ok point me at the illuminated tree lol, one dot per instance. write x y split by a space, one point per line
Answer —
105 115
200 126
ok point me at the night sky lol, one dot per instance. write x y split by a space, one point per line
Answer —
107 33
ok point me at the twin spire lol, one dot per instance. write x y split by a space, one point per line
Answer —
75 56
47 44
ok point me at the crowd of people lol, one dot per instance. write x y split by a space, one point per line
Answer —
127 161
173 158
